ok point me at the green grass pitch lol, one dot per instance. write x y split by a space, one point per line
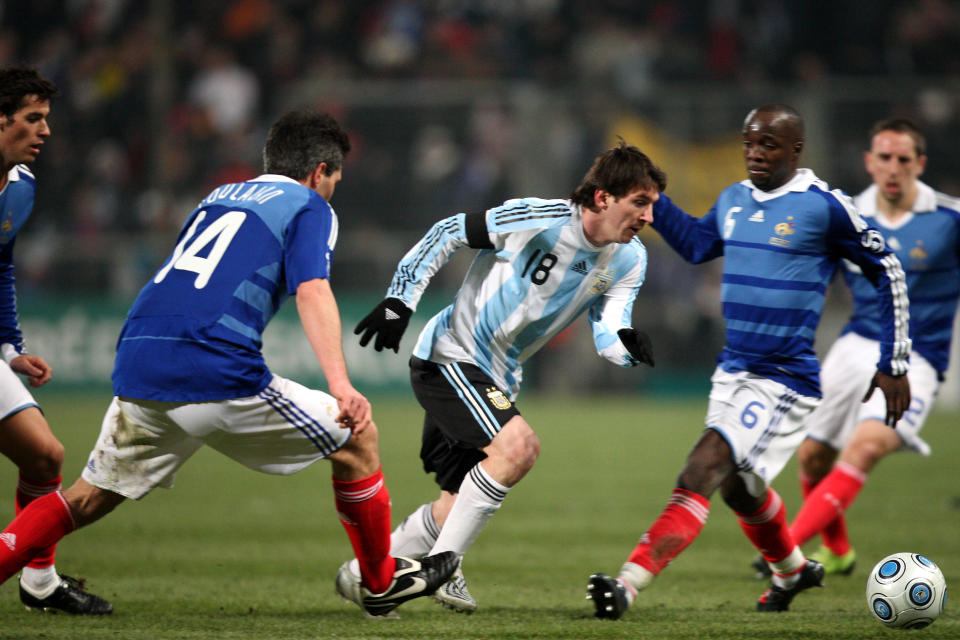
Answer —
230 553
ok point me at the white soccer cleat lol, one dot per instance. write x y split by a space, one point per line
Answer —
453 594
349 589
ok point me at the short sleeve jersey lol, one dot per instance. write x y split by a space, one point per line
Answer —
195 331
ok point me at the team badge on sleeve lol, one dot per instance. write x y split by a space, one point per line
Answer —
873 241
497 399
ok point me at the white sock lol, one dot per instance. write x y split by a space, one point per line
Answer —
635 578
478 499
787 571
40 583
415 535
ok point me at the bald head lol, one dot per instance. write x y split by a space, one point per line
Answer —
772 143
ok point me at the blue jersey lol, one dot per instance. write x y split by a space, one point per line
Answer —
195 331
780 250
927 242
16 204
535 273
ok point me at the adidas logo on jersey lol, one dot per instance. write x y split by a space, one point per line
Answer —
9 539
581 267
756 217
392 315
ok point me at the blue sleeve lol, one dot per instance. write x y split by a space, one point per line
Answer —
695 239
850 237
9 325
308 246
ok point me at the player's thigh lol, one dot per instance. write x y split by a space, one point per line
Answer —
25 435
281 430
924 386
465 411
845 378
761 420
140 447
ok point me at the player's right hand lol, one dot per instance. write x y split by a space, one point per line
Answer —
36 369
387 321
896 390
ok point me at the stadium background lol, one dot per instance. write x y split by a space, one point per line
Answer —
452 105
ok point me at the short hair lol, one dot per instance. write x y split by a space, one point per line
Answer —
16 83
901 125
618 171
784 109
302 139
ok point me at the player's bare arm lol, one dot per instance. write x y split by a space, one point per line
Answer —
320 318
896 389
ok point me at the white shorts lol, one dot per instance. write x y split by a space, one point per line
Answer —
281 430
847 372
762 421
14 396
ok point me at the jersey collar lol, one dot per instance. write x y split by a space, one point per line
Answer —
273 177
800 182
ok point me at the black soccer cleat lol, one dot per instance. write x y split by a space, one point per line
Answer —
412 579
609 596
778 599
761 568
69 597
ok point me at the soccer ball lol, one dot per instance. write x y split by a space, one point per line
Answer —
906 591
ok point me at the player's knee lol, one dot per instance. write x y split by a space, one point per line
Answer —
46 462
815 458
523 451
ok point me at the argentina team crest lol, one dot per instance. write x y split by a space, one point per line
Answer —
497 399
601 281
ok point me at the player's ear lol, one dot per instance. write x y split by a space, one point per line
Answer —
921 164
600 199
316 177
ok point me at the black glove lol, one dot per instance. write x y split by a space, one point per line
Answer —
638 344
387 321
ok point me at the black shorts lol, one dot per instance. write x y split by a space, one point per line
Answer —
464 411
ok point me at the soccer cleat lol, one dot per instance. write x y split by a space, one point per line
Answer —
69 597
761 568
778 598
834 564
453 594
411 579
348 588
609 596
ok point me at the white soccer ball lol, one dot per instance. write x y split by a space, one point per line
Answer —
906 591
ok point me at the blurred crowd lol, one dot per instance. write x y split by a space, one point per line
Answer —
164 100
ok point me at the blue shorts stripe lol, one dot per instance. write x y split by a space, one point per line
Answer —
301 420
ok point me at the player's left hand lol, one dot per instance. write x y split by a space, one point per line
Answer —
36 369
896 389
638 344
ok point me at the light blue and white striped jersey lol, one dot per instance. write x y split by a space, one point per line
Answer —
195 331
537 274
16 204
780 250
927 242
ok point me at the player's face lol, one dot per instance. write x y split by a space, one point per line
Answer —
894 165
22 136
771 149
623 218
327 184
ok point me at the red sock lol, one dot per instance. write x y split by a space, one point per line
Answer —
830 498
767 528
27 492
38 526
834 534
678 526
364 508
